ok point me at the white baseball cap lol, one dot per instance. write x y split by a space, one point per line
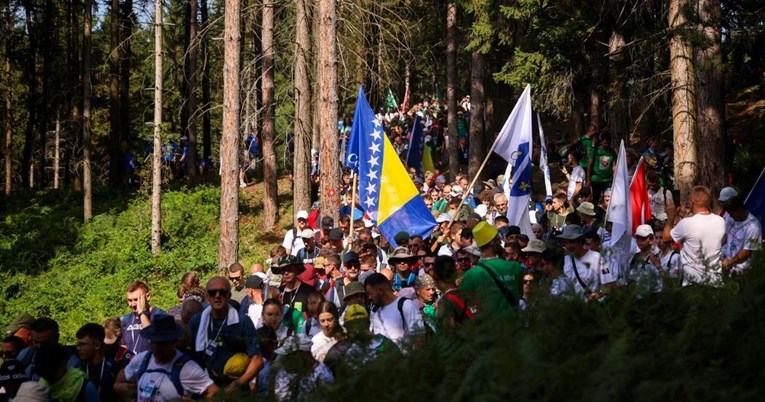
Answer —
644 231
727 193
303 214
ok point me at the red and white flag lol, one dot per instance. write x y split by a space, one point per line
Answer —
641 205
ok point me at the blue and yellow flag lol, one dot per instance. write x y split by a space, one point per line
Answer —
386 193
414 153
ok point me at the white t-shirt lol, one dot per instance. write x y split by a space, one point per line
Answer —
670 263
660 200
288 241
645 276
577 176
387 320
194 379
321 345
561 287
255 312
746 235
702 238
588 267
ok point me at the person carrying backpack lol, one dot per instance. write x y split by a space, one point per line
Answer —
163 373
394 316
66 384
455 306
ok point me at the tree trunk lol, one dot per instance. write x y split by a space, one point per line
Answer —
86 129
191 100
156 159
683 105
126 52
477 132
451 85
57 152
206 124
228 252
47 44
271 190
73 60
115 131
327 77
30 77
710 112
302 160
8 103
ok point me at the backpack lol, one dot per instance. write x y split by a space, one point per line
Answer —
82 395
401 311
467 312
174 374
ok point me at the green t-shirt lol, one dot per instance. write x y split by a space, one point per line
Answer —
602 168
587 151
490 299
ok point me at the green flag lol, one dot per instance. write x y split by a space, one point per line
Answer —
390 101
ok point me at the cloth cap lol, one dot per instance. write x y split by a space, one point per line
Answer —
253 282
727 193
444 217
23 320
401 237
513 230
644 231
424 282
535 246
471 249
350 256
12 371
294 343
336 234
571 232
307 233
586 208
490 184
355 312
236 365
327 222
163 328
308 276
456 191
441 180
302 214
484 233
354 288
32 391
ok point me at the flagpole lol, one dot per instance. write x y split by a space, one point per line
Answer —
470 187
755 182
353 203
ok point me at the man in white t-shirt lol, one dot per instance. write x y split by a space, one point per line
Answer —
152 372
701 236
591 272
392 316
744 237
292 240
576 177
659 197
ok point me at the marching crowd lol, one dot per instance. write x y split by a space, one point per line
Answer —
336 295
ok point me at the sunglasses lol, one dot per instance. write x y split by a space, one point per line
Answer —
465 259
235 278
427 264
528 281
217 292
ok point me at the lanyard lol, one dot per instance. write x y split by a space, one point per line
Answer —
219 329
101 376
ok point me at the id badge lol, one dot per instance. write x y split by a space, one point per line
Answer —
211 347
148 391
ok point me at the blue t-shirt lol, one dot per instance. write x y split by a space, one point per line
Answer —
131 330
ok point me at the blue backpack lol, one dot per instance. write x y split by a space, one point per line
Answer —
174 374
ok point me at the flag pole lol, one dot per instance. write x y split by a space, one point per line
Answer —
470 187
353 203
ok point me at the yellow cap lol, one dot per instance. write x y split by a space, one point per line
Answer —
484 233
236 365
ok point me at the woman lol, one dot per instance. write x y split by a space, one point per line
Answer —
272 317
331 331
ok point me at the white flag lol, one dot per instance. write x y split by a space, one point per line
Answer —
620 215
543 157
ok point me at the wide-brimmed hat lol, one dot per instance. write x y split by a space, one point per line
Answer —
354 288
571 232
23 320
163 328
535 246
286 261
401 253
586 208
484 233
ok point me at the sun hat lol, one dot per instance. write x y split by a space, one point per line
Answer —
23 320
571 232
484 233
163 328
286 261
586 208
354 288
401 253
535 246
355 312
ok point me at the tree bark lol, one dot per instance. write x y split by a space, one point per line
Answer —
327 77
74 63
30 77
302 159
86 129
115 142
206 123
48 42
57 152
8 103
477 128
451 85
156 159
271 189
710 112
228 252
191 99
126 52
683 104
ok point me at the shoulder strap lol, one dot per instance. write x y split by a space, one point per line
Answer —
579 278
401 302
175 375
502 288
294 236
143 366
461 305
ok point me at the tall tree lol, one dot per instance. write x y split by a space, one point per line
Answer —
30 76
73 61
156 159
87 184
710 113
126 52
206 123
327 77
683 103
115 131
477 133
302 160
271 192
451 86
191 93
228 252
8 100
48 43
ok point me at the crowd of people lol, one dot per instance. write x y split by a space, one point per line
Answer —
335 296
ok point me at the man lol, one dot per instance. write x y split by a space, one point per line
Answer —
401 261
330 274
500 207
533 252
467 257
392 316
456 305
603 165
560 285
645 267
163 373
138 298
494 281
294 292
102 372
309 252
327 223
660 199
576 177
66 384
12 375
21 327
44 331
236 276
587 214
11 347
292 241
335 242
557 212
352 266
582 266
415 245
355 294
744 237
252 304
427 264
701 236
219 332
